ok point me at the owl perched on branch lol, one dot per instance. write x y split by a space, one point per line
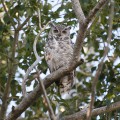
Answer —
58 53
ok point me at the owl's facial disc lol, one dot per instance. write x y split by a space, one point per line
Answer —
65 31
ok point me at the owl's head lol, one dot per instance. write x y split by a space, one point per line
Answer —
60 31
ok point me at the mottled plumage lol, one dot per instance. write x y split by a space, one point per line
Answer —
58 52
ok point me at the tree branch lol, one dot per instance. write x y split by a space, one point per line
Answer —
21 25
78 11
51 112
11 72
39 16
81 34
97 111
95 10
6 11
100 66
83 27
26 102
27 74
38 59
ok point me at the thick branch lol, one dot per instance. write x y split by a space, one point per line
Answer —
78 11
83 27
82 114
81 34
79 42
26 102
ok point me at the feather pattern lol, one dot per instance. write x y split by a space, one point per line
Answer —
58 52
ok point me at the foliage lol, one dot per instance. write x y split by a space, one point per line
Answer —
108 87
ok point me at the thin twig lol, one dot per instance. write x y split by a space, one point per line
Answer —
38 59
10 18
100 66
24 23
93 20
35 42
95 10
26 76
41 30
51 112
39 16
85 73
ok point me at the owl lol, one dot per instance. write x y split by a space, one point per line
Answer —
58 53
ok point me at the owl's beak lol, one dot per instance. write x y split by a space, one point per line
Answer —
59 34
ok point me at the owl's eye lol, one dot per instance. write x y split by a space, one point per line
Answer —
64 32
55 31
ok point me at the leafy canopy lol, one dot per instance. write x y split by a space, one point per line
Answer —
108 87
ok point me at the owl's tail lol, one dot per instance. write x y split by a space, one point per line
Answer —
66 83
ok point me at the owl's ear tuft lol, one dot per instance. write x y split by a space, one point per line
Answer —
52 24
68 27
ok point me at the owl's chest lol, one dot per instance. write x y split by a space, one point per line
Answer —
58 54
60 51
57 47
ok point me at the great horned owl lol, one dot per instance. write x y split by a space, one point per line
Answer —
58 53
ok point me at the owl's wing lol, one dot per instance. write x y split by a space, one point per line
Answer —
50 54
